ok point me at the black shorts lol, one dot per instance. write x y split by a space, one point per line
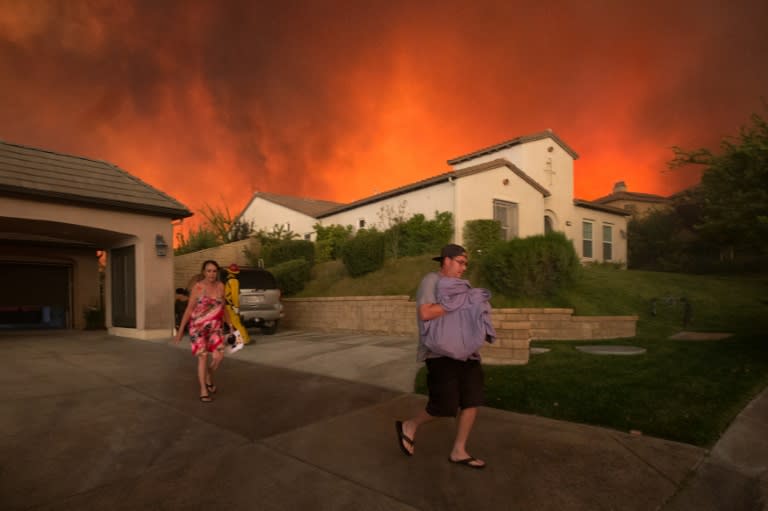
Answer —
453 385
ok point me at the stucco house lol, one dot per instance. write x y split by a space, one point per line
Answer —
636 203
525 183
59 216
268 211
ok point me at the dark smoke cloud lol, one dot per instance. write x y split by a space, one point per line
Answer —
210 101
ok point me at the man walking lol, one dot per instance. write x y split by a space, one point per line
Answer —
455 386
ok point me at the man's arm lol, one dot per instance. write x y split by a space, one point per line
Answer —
429 311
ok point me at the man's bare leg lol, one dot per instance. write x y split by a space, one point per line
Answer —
464 423
412 425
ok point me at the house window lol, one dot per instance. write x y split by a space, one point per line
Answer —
361 223
586 235
308 236
607 242
506 214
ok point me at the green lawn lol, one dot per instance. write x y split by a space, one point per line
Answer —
681 390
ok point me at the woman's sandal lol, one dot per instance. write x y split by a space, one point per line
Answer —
211 388
206 398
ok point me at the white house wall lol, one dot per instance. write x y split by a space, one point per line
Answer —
265 214
426 201
598 219
475 195
551 169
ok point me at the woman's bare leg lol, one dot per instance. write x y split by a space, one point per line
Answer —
216 358
202 372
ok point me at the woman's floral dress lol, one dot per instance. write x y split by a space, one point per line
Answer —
205 325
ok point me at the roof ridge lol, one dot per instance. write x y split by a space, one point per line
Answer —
522 139
142 182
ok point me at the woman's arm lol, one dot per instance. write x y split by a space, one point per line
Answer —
193 296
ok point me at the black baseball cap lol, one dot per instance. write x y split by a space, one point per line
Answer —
451 250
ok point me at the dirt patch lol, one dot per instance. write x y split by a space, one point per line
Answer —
701 336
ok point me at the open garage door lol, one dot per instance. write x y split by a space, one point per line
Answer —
37 295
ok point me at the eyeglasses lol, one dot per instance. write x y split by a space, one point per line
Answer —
462 262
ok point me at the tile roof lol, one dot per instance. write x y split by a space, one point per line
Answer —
600 207
633 196
310 207
513 142
49 176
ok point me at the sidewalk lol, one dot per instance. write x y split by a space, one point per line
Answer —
89 421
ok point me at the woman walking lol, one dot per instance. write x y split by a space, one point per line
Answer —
205 315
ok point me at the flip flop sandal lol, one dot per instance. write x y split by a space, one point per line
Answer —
206 399
211 388
468 462
401 436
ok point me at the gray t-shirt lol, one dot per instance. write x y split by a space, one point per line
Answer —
427 293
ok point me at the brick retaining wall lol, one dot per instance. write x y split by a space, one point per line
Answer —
396 315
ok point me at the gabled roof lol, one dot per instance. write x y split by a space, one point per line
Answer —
513 142
39 174
600 207
631 196
441 178
309 207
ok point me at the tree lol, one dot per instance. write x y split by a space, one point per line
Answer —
224 226
219 228
655 241
197 239
391 219
733 194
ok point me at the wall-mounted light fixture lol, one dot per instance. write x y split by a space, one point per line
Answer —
161 247
568 223
505 182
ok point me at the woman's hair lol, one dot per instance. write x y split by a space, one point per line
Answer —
206 263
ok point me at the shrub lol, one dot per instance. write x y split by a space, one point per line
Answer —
364 253
288 250
292 275
533 266
480 235
330 240
417 235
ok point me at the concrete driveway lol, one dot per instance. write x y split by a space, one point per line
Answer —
89 421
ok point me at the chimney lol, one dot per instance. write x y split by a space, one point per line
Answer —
620 186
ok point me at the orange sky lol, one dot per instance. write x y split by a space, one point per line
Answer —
210 101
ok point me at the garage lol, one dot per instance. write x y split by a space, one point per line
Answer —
83 244
40 295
